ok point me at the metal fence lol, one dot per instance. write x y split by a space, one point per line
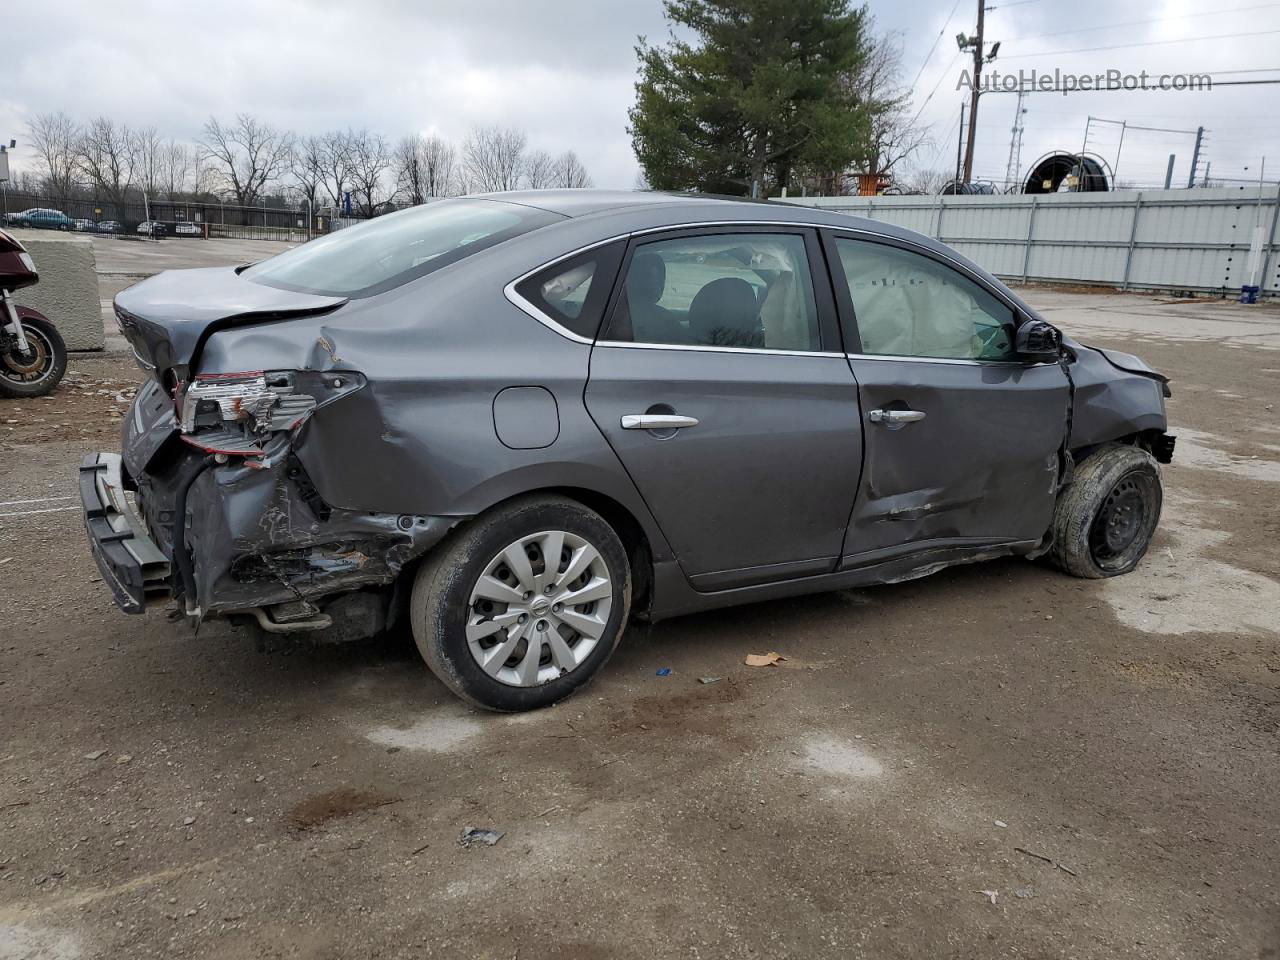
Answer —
216 220
1193 241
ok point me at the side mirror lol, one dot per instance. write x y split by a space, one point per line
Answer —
1037 342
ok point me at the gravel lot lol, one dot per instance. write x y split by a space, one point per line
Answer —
996 761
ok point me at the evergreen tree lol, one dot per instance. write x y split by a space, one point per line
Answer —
759 97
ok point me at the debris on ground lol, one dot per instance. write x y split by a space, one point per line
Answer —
764 659
480 836
1001 824
1024 893
664 671
1049 860
710 679
95 755
990 895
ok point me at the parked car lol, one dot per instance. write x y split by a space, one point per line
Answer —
110 226
40 218
84 226
152 228
517 420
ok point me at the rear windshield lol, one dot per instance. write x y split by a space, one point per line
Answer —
388 251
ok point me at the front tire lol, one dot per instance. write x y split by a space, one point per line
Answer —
523 606
40 369
1103 522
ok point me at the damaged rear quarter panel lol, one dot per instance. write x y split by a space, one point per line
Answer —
419 438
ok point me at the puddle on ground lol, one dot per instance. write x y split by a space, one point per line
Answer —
1178 589
441 732
36 943
840 758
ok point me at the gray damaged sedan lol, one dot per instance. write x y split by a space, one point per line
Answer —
518 420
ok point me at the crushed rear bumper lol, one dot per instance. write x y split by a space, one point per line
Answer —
133 567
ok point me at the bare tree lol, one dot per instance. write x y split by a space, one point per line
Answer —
307 163
539 170
493 158
878 90
178 162
248 153
107 157
335 165
55 138
925 182
406 163
440 174
568 171
370 160
149 151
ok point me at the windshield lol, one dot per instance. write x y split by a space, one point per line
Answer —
388 251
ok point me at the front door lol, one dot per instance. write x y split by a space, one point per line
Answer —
719 383
962 438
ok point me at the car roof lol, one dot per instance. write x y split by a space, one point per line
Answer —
582 202
624 206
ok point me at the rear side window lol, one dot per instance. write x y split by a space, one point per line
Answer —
573 292
743 290
391 250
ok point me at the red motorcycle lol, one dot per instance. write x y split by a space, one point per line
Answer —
33 356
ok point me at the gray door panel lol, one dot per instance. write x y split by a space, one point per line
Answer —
766 478
982 463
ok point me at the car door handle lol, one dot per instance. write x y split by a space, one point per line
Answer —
656 421
895 417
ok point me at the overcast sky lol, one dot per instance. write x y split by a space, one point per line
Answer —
564 71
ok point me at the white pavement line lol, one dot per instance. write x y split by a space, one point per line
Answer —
15 503
28 513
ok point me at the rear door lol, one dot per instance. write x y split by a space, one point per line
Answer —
720 384
962 437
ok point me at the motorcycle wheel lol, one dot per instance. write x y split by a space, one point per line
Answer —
40 369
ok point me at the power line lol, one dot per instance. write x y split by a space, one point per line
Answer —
1151 43
1122 89
945 71
928 55
1138 23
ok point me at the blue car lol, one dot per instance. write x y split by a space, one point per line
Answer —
41 218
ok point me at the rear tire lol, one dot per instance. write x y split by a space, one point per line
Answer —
39 370
503 623
1103 522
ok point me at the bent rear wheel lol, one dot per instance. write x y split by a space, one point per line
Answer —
522 607
37 370
1104 521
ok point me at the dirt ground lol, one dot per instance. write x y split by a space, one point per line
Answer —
996 761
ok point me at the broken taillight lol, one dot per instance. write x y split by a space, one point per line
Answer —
236 413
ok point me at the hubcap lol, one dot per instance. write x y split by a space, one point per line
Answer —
1119 522
29 367
539 608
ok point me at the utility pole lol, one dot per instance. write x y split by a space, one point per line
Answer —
960 141
980 58
1168 174
974 93
1195 157
1014 167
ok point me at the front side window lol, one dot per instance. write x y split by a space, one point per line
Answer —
907 305
745 290
388 251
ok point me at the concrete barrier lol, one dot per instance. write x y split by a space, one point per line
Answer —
68 289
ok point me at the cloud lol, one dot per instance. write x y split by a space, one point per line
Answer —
563 70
